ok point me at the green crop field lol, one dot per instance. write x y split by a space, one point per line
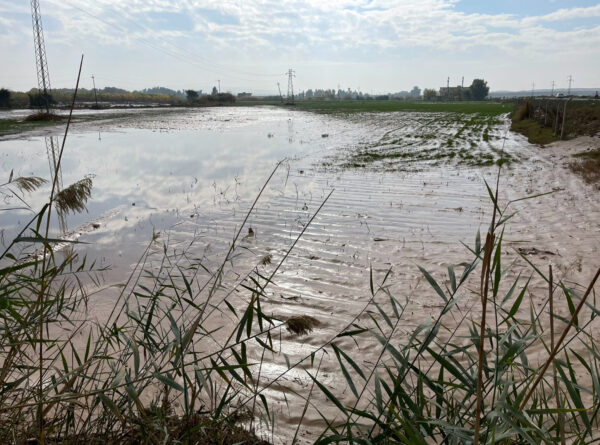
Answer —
363 106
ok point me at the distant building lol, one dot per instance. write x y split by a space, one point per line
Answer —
244 94
451 93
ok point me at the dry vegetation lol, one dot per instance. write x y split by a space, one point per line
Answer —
587 165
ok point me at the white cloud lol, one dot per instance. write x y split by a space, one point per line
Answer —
229 35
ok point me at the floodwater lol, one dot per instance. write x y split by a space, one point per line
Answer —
192 175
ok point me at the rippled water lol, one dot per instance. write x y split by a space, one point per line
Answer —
193 174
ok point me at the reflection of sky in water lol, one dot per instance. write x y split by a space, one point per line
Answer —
151 172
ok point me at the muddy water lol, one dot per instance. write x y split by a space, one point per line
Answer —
192 175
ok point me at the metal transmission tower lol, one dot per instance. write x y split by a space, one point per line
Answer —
290 95
43 76
40 53
570 79
53 149
95 95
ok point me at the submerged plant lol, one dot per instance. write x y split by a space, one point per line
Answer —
301 324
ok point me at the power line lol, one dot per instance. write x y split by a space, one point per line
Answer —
184 56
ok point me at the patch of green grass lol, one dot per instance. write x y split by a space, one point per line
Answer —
448 137
467 157
536 134
364 106
10 126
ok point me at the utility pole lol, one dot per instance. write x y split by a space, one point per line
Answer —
448 89
219 82
532 89
462 85
570 78
40 53
290 95
547 101
95 95
280 96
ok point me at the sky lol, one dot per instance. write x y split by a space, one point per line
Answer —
374 46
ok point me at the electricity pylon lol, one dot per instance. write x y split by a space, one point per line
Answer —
290 96
40 53
43 76
53 151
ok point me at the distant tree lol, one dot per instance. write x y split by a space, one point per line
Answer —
479 89
113 90
429 94
4 98
161 90
415 92
214 91
40 100
466 94
191 95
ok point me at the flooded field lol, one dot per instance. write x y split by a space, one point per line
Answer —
399 190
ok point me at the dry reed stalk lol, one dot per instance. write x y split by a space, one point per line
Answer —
484 287
561 430
560 340
40 303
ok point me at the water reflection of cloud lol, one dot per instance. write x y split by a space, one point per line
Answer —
207 161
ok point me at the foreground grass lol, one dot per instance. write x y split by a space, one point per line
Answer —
149 375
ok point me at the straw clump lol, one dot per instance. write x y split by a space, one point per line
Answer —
46 117
301 324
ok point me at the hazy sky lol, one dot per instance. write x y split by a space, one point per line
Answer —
374 45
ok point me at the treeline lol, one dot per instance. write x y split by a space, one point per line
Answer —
111 96
62 97
196 98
